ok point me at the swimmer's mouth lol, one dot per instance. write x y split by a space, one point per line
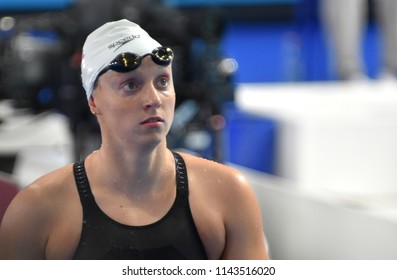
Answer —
152 120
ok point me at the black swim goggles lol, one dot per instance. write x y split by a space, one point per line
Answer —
126 62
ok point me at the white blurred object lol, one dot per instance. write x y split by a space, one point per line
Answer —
41 143
33 162
301 225
338 136
198 140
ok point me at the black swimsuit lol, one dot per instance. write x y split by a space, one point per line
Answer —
172 237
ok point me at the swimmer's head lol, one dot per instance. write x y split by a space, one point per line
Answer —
109 42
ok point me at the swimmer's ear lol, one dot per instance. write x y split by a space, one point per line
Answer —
92 105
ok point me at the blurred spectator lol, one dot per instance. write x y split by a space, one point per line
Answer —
345 22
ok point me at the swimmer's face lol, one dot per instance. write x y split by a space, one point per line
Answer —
136 106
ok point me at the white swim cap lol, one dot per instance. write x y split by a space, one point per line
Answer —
108 41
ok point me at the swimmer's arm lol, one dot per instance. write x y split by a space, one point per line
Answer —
22 231
243 223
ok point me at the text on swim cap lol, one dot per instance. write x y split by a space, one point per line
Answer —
121 42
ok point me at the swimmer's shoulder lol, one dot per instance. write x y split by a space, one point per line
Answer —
34 211
45 192
212 174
